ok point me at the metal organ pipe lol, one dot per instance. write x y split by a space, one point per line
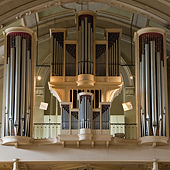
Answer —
11 95
159 102
17 84
163 98
153 88
18 105
151 82
82 48
7 95
147 89
89 47
23 84
86 45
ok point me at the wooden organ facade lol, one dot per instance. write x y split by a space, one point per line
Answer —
85 77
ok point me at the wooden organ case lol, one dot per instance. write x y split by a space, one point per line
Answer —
85 78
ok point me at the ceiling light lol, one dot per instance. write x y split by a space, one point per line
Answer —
131 77
39 77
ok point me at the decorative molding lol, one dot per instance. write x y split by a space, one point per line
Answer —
39 91
129 91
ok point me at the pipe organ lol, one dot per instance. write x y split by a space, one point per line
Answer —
113 54
151 72
57 53
86 38
85 72
85 103
19 75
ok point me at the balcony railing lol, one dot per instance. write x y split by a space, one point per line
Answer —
46 130
124 130
51 130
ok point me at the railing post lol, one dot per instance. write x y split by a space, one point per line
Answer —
155 164
15 164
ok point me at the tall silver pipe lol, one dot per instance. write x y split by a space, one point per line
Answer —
112 58
54 57
58 59
82 47
143 91
159 99
23 74
17 84
92 51
163 98
27 94
86 45
89 46
153 88
142 120
147 89
56 47
116 60
52 53
85 110
7 98
11 99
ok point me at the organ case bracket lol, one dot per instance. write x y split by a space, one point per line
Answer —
151 86
19 71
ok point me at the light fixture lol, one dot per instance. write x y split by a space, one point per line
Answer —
131 77
39 77
127 106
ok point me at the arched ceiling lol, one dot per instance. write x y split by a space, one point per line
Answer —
40 15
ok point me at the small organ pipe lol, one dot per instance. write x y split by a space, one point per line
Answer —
54 58
82 39
52 52
163 98
159 102
153 88
11 101
85 110
115 60
23 85
112 59
147 89
80 47
89 46
17 84
86 45
92 51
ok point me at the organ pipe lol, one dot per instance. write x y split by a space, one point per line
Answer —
85 28
23 84
19 94
85 99
151 88
113 53
147 89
